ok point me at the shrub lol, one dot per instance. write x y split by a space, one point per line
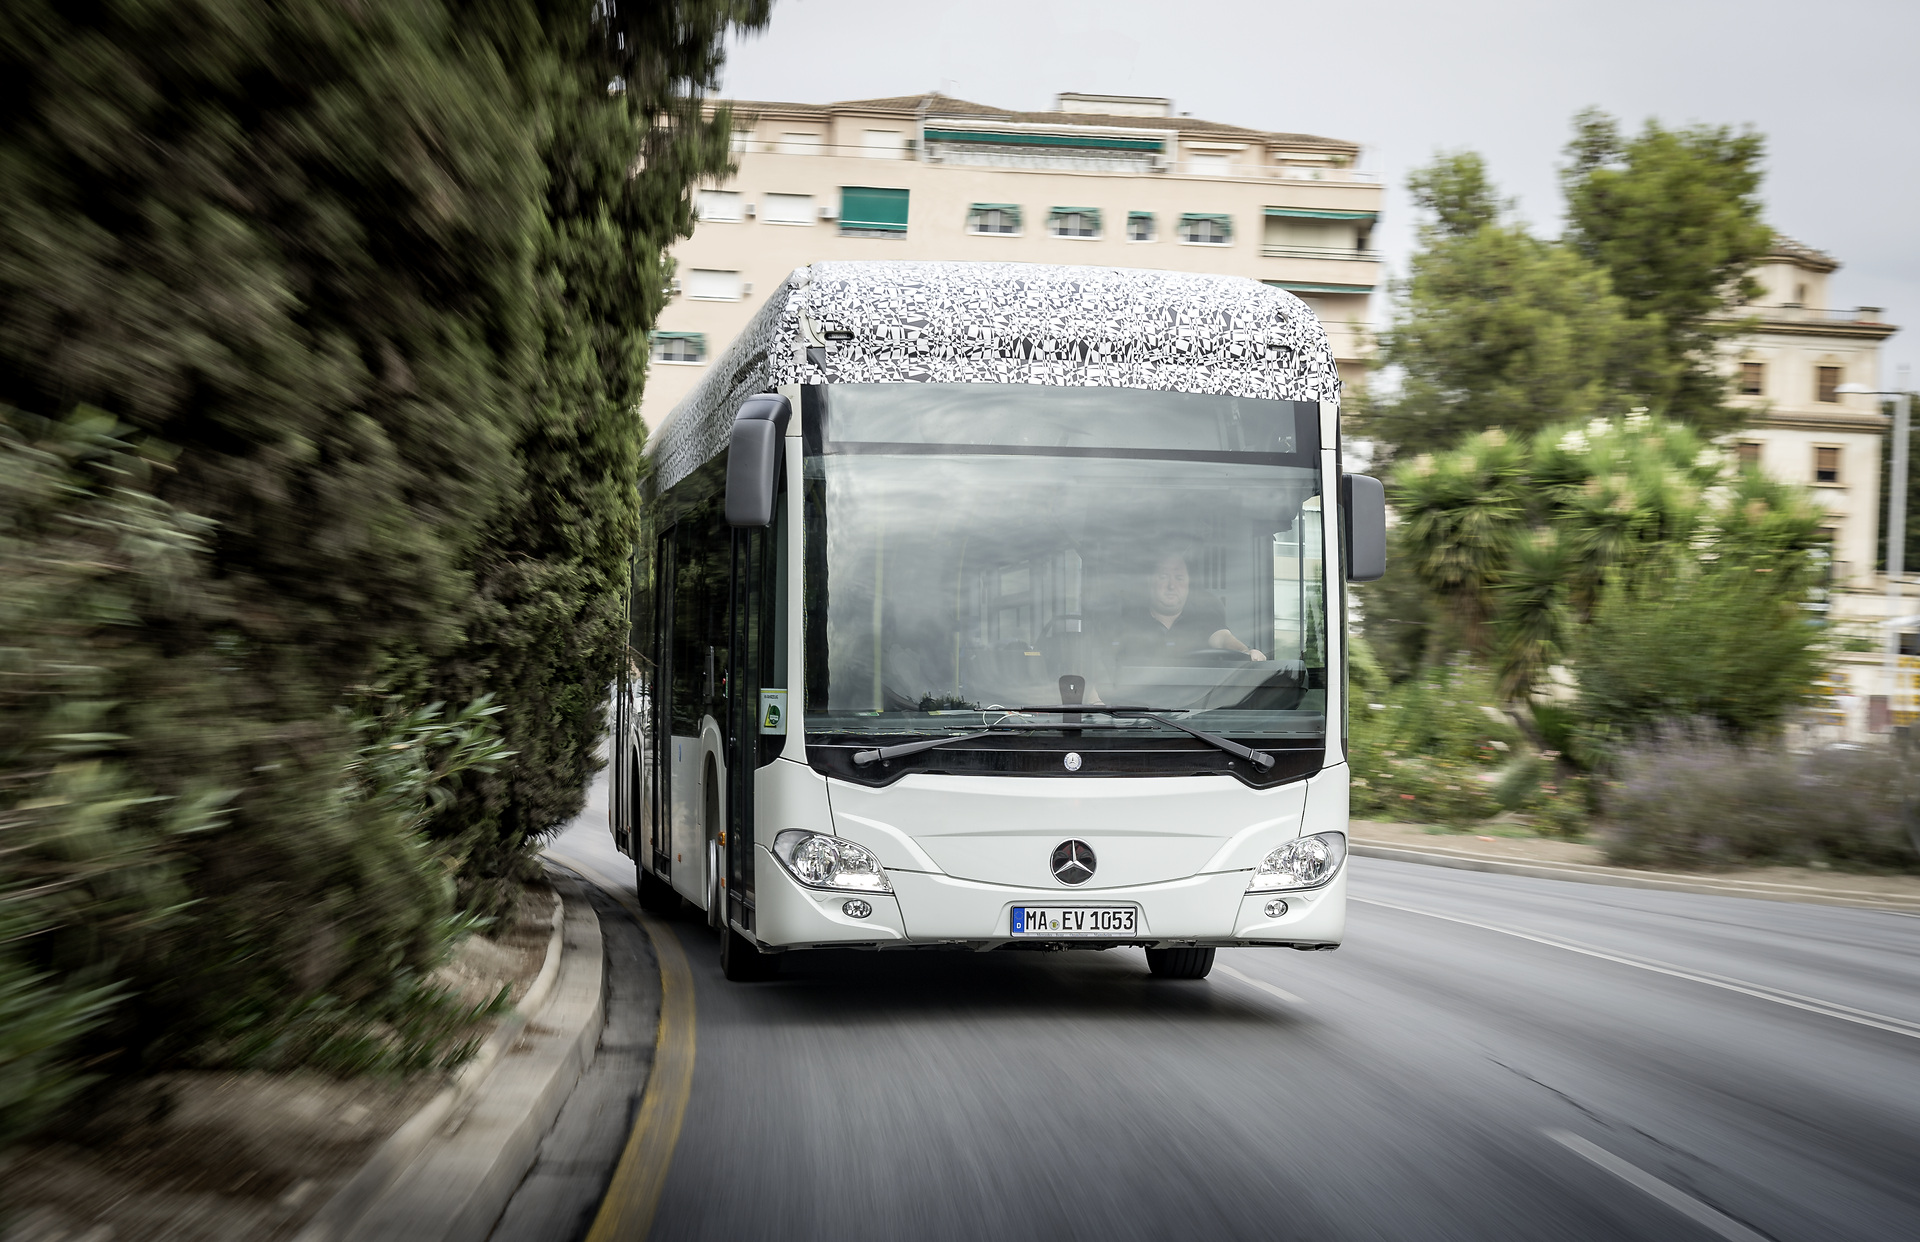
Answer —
177 859
1425 750
1692 797
1723 643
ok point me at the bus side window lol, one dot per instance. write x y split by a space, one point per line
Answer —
702 547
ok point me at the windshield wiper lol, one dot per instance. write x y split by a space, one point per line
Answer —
864 757
1256 758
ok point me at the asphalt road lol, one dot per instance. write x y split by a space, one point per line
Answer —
1631 1065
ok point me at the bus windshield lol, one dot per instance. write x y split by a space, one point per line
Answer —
978 547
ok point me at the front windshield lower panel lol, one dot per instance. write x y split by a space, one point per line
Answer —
974 548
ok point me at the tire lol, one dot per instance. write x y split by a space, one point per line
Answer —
656 895
1179 963
742 962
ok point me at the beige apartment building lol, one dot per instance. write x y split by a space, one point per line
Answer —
1790 371
1117 181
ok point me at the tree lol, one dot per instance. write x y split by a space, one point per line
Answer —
1673 217
1497 328
1521 542
543 629
360 293
1460 513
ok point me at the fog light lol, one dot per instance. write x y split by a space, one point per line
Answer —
1276 908
858 909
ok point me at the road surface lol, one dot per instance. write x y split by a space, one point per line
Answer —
1488 1057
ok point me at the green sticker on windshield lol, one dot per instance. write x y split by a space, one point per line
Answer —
773 712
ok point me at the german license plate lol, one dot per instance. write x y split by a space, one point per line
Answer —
1099 922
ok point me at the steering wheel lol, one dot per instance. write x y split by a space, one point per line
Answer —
1218 657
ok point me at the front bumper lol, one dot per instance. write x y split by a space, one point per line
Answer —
928 909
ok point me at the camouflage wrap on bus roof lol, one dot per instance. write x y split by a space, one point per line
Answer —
1007 323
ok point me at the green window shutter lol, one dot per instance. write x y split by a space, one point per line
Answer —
1092 213
1225 222
1010 210
1088 141
866 207
1139 215
1314 213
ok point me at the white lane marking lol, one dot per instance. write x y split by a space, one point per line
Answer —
1264 986
1846 1013
1678 1200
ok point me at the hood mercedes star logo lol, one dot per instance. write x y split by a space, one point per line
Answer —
1073 862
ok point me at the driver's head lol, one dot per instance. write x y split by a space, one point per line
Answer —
1167 585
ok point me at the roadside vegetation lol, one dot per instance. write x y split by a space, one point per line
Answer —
322 334
1594 620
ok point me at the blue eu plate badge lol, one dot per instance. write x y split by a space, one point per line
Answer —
1019 921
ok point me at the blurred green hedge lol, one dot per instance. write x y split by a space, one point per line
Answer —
323 331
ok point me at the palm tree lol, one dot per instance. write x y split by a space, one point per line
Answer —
1459 514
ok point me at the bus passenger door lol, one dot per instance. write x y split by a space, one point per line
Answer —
743 724
659 720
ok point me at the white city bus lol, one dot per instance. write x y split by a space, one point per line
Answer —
992 606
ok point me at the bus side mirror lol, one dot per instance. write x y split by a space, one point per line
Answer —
753 459
1364 502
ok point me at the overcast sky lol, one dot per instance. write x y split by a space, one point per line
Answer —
1834 86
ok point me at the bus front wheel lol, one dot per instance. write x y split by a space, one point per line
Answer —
1179 963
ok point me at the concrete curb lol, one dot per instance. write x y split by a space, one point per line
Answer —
1622 877
448 1172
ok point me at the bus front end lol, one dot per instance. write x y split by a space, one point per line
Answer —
1070 657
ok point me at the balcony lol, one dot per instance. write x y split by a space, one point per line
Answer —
1320 252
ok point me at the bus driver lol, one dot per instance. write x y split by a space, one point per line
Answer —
1165 630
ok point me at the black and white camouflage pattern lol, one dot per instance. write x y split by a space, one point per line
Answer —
1007 323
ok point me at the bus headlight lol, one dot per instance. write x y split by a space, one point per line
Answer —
1304 862
820 861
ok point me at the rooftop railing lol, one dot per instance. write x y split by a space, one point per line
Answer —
1058 157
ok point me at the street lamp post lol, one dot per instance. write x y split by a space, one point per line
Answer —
1896 522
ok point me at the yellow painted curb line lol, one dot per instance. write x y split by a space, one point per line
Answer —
626 1214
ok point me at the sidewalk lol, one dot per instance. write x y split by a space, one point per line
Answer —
1571 860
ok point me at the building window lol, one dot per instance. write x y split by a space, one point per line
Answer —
799 144
1206 229
1214 163
1074 222
1001 218
679 347
786 209
742 141
704 285
1826 465
1826 383
1753 377
723 205
1140 226
868 211
1747 452
883 144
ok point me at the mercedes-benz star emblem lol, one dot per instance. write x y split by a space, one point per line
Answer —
1073 862
1072 761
